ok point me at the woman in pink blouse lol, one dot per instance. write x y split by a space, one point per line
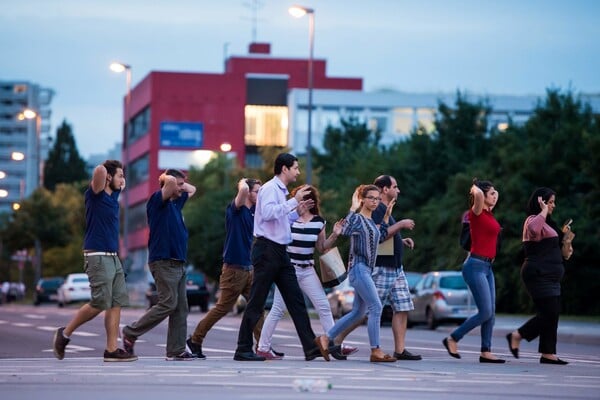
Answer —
545 247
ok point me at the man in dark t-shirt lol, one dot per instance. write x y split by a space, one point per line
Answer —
101 262
236 273
167 253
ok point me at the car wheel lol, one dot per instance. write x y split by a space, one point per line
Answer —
431 321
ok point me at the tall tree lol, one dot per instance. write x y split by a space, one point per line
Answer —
64 164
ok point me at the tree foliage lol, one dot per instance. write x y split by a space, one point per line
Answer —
64 164
558 146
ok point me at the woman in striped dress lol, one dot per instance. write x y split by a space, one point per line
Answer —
365 236
308 233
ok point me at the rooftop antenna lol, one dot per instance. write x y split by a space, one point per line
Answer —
254 6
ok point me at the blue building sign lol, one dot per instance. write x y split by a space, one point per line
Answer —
181 134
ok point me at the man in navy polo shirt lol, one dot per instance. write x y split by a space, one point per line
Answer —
167 252
236 274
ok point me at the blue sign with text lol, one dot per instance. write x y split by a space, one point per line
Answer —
181 134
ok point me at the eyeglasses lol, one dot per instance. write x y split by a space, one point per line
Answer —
373 198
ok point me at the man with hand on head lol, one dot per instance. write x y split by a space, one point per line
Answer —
101 262
272 231
236 273
167 252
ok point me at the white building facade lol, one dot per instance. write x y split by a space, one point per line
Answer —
395 114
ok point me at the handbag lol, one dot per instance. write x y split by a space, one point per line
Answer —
333 270
568 236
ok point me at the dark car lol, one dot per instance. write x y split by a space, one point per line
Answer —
196 290
413 278
197 293
46 290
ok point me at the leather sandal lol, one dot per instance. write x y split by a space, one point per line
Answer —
385 358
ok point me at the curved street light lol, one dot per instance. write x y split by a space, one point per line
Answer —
299 12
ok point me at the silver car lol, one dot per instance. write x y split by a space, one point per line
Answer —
341 299
441 296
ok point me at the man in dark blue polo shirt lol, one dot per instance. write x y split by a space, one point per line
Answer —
167 252
236 274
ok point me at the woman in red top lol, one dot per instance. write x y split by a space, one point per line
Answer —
477 271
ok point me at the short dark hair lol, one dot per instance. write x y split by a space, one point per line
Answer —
173 172
112 166
251 182
284 160
383 181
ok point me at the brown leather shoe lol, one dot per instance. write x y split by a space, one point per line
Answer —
322 343
380 356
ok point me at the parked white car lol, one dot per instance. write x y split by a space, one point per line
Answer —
75 288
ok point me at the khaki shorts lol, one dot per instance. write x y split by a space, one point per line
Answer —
107 282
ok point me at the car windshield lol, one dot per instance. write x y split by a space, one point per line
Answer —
80 280
453 282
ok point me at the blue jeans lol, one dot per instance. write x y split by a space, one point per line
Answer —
479 276
366 300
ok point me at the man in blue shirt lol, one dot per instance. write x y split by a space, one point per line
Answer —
236 273
272 231
101 262
167 252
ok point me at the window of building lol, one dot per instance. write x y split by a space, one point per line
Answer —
138 171
377 123
426 118
20 89
266 125
137 217
139 125
403 121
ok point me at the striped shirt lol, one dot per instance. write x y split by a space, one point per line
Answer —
304 238
365 235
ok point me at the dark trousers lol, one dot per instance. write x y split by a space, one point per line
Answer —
544 324
272 265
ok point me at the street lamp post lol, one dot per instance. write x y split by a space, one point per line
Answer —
226 148
118 68
298 12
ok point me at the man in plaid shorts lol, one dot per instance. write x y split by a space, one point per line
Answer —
388 273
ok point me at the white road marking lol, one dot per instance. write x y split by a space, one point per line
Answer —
22 324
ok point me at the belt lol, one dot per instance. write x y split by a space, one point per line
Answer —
302 265
100 253
482 258
238 266
269 241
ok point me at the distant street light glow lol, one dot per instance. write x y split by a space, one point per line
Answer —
17 156
225 147
3 193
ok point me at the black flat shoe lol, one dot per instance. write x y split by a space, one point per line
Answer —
515 352
336 352
445 343
247 356
558 361
491 360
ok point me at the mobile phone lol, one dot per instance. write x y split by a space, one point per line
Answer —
569 222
